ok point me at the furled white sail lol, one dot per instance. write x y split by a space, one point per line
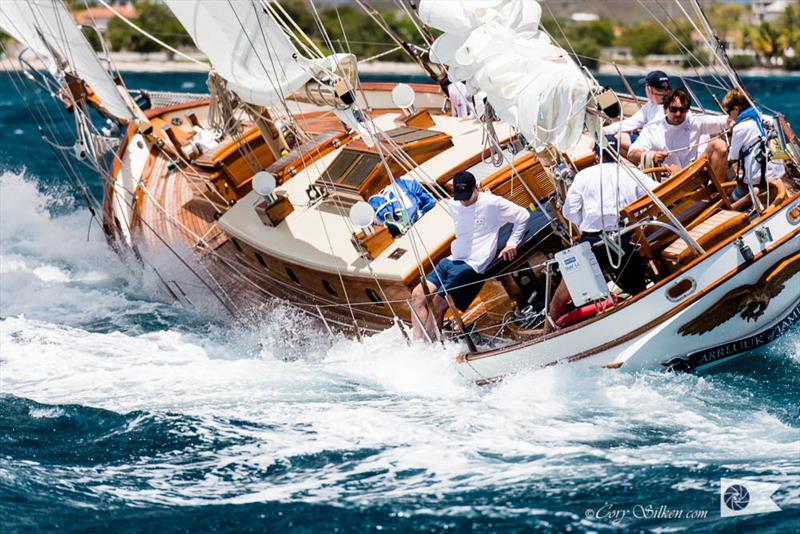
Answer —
46 27
248 48
496 46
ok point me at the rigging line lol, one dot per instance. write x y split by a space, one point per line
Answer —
152 37
418 24
325 176
60 31
111 65
268 47
327 38
563 34
171 219
378 19
286 17
227 306
321 27
380 55
341 27
250 41
713 70
699 81
722 56
678 41
61 158
284 27
276 87
105 176
50 124
66 165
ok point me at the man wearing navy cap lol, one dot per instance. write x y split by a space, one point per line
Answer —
477 217
656 86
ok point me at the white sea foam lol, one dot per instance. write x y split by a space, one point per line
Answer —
413 424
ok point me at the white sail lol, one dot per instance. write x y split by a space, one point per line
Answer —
248 48
43 25
15 22
495 46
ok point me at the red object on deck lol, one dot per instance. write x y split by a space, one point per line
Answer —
584 312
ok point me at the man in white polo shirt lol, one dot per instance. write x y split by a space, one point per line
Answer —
656 87
674 140
477 217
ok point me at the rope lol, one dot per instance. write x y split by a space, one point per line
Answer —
150 36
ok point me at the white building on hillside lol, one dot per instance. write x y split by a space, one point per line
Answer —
768 10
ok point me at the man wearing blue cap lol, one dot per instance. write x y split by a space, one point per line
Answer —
656 86
477 217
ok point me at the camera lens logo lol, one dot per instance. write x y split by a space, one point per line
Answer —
736 497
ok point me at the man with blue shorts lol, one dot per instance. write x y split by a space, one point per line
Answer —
478 217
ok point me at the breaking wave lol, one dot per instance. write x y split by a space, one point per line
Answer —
124 411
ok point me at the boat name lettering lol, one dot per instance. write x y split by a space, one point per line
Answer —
707 356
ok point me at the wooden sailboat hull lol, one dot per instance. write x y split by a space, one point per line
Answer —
667 326
731 305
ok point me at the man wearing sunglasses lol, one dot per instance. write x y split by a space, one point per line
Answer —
656 87
674 140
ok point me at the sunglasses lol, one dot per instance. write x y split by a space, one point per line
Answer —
677 109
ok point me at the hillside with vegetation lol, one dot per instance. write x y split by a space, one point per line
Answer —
640 40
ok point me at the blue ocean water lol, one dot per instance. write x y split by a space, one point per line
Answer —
120 411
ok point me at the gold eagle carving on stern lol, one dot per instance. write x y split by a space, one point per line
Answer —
750 300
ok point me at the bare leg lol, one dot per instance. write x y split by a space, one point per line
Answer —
420 306
717 153
746 201
558 303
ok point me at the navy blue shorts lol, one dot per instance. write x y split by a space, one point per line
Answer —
458 279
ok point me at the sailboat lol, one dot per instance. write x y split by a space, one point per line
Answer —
264 190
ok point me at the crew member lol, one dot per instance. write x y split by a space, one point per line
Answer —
656 87
593 203
478 217
673 140
748 148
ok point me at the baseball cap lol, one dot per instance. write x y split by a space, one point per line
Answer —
657 79
610 151
463 185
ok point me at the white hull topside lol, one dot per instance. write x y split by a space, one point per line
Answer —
654 320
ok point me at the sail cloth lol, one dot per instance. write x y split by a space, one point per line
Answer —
248 48
45 26
496 46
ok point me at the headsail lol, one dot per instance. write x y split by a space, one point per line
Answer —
47 28
248 48
496 46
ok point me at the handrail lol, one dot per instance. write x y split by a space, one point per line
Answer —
682 233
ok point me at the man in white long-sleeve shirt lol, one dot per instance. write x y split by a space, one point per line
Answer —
674 140
656 87
593 203
478 217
